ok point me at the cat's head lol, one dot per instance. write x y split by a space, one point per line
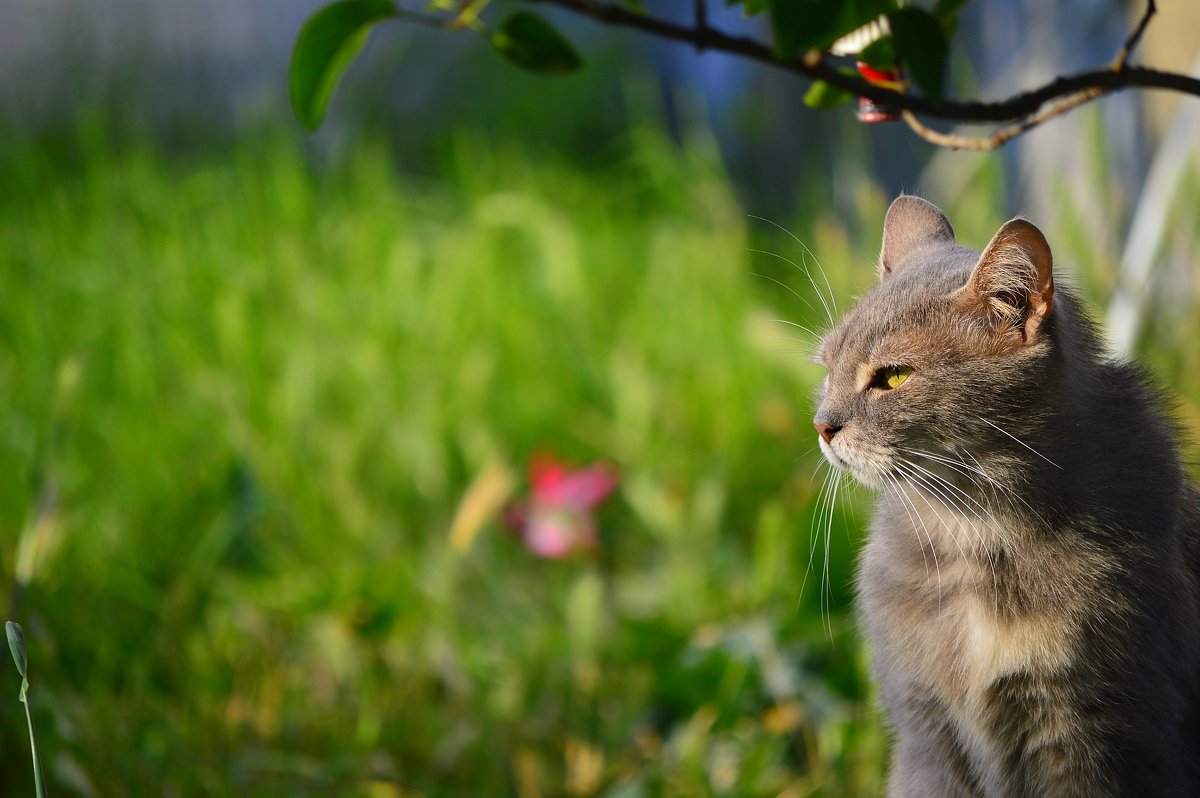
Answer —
943 356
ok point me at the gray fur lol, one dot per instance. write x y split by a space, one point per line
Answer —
1031 585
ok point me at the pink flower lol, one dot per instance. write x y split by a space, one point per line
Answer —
557 519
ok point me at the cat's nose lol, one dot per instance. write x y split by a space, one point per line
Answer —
827 431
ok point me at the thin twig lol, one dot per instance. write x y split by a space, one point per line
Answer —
1094 83
427 21
1122 60
701 13
997 139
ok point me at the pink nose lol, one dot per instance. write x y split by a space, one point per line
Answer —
826 431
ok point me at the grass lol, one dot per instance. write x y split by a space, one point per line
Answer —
244 399
16 645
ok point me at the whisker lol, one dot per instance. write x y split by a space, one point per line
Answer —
966 471
806 347
935 484
807 453
812 536
818 529
939 486
828 582
975 502
793 291
797 325
1033 511
950 461
803 270
795 238
908 503
821 463
1012 499
1023 443
890 483
917 481
821 269
808 330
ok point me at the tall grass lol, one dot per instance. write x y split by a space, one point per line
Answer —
243 399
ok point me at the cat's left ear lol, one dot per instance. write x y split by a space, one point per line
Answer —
1013 282
911 225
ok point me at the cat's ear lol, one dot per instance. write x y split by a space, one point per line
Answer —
911 224
1013 282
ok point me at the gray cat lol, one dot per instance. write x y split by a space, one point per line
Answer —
1031 585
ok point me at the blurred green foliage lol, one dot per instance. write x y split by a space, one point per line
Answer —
245 397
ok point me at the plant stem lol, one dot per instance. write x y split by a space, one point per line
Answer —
39 784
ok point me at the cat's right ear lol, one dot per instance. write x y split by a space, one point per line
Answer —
1013 282
911 224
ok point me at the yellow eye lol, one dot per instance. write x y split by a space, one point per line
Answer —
891 377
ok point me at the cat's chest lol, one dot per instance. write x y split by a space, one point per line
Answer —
953 625
952 640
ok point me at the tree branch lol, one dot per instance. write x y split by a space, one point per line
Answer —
997 139
1026 109
1122 59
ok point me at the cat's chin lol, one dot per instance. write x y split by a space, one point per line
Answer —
842 463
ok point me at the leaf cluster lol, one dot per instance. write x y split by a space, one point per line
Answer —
910 38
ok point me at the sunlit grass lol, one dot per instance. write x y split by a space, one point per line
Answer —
245 397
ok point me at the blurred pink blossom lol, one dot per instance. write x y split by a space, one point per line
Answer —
557 518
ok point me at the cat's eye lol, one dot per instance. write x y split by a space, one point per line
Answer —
890 377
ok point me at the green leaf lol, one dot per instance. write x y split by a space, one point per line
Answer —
921 45
16 644
801 25
948 9
532 43
326 45
880 54
751 7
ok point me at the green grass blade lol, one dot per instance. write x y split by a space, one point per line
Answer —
16 644
39 784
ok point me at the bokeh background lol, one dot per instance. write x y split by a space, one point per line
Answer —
265 395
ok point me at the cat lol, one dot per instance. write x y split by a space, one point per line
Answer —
1031 583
